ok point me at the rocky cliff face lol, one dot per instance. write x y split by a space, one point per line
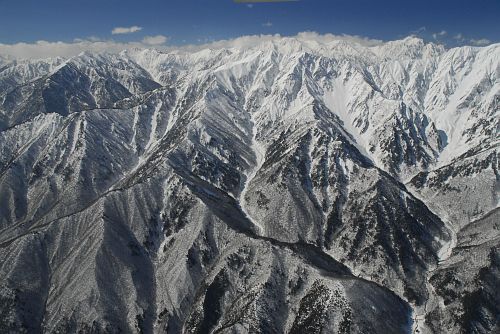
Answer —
288 187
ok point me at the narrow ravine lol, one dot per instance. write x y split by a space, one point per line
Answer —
434 300
260 156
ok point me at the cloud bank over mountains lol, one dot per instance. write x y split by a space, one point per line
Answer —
46 49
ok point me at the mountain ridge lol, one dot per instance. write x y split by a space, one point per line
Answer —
307 150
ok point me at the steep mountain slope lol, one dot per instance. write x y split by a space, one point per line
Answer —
288 187
468 281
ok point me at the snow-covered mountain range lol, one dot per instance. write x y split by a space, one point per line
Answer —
290 187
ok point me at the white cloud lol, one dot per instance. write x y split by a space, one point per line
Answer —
328 38
268 24
240 42
480 42
246 42
45 49
442 33
460 38
250 5
125 30
89 39
155 40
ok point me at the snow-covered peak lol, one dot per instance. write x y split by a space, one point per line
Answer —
406 85
407 48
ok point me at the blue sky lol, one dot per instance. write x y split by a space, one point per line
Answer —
197 21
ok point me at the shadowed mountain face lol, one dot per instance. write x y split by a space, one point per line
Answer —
286 188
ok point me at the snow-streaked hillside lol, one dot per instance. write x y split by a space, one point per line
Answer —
293 186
